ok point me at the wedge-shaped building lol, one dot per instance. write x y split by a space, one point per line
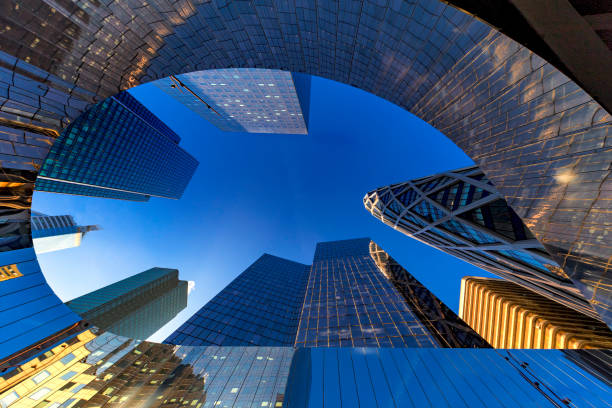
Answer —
461 213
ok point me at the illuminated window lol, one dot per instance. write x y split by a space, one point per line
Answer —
40 393
9 272
9 399
234 390
40 377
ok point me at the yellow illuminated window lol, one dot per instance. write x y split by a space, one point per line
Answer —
9 272
234 390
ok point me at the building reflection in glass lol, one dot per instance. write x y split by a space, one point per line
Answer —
91 370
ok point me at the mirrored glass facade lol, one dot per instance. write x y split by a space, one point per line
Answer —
137 306
541 138
461 213
56 232
117 149
89 368
245 99
105 370
409 377
354 294
261 307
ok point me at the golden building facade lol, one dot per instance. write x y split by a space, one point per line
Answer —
510 316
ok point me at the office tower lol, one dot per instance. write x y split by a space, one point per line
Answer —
354 294
137 306
509 316
261 307
461 213
117 149
56 232
245 100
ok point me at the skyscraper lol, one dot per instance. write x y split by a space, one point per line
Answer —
56 232
136 306
509 316
245 100
117 149
461 213
354 294
261 307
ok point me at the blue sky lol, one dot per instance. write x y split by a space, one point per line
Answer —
256 193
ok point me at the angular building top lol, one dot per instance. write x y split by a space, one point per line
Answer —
358 296
354 294
245 99
117 149
137 306
462 214
509 316
261 307
56 232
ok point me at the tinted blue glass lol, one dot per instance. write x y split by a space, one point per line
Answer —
382 392
348 384
365 391
455 377
331 381
117 149
350 302
260 307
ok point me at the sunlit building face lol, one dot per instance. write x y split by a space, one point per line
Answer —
245 100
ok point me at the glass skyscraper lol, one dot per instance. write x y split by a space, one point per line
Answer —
117 149
137 306
261 307
245 100
352 295
56 232
461 213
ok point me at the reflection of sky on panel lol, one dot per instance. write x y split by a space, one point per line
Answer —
245 99
409 377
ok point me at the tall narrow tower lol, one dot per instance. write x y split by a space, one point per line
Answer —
55 232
